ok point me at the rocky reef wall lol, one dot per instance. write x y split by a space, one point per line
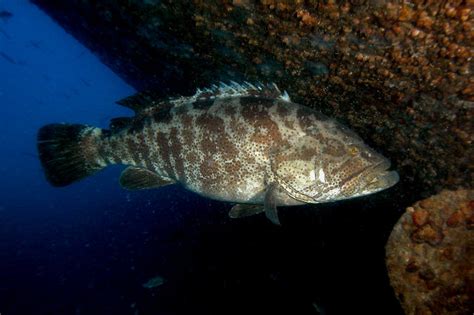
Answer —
397 72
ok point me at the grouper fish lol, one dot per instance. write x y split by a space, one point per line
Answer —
241 143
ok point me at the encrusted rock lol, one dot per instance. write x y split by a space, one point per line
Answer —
430 255
420 217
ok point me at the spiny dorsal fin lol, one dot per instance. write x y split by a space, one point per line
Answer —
145 100
234 89
119 123
134 178
141 100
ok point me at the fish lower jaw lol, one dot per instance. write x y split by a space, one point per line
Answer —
382 181
389 178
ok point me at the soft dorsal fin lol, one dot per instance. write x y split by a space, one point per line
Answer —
144 100
134 178
119 123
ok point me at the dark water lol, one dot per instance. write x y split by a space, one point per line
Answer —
89 248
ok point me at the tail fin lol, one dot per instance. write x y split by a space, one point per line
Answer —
69 153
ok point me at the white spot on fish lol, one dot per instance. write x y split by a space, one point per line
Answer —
322 176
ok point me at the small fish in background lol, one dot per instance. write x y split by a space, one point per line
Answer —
75 91
39 102
5 15
81 54
86 82
31 155
35 43
7 58
319 310
242 143
153 282
5 34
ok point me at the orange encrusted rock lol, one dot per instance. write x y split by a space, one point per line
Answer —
430 255
420 217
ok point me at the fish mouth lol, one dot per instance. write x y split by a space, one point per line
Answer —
383 177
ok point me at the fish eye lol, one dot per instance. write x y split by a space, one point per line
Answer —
353 150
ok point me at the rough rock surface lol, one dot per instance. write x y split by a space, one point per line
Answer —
398 72
430 255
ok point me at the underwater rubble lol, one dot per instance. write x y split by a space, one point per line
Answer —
397 72
430 255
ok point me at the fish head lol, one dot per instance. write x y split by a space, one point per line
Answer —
333 165
361 172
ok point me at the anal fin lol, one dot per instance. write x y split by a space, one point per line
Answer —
244 210
270 200
135 178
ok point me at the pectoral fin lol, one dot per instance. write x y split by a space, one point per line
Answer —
134 178
244 210
270 203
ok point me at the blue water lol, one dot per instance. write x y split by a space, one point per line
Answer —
89 247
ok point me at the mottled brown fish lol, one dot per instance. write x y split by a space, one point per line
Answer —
244 144
5 15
